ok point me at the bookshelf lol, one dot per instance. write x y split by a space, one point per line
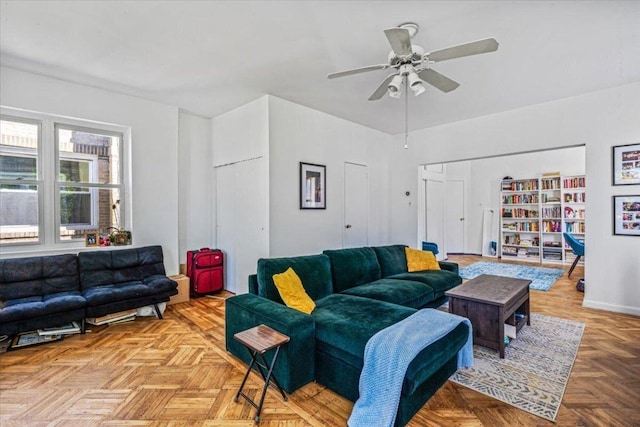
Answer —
551 229
534 213
573 211
520 219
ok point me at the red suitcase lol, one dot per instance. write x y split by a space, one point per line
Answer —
205 271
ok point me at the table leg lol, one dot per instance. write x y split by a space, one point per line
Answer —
268 378
244 380
501 333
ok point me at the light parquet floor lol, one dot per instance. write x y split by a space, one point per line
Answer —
176 372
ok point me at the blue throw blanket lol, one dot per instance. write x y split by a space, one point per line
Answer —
387 356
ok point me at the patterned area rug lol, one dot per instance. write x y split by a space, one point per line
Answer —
534 373
541 277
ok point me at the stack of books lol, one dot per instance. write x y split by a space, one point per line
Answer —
119 317
66 329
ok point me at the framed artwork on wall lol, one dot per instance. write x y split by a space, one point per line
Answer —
626 164
626 215
313 189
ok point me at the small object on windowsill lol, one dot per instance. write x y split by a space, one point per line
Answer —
119 237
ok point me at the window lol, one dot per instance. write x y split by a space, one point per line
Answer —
88 181
59 180
20 184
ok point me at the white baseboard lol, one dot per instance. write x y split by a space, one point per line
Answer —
635 311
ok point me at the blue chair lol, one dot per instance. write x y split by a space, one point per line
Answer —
430 246
577 247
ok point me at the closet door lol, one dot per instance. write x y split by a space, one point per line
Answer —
251 219
242 218
225 221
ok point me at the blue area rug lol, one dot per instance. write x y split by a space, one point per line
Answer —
541 277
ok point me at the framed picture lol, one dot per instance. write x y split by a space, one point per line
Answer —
626 215
626 164
313 186
91 238
27 339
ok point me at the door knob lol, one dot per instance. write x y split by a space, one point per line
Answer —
462 219
347 226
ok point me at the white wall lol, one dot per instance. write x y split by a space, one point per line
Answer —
154 146
195 183
300 134
599 120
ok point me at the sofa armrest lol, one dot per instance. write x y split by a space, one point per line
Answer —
449 266
253 284
295 364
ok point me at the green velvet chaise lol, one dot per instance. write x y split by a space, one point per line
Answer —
357 292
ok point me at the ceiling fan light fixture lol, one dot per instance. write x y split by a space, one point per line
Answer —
395 87
417 88
415 83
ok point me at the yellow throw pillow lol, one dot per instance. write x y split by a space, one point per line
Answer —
418 260
292 292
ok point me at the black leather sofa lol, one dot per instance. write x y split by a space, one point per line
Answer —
47 291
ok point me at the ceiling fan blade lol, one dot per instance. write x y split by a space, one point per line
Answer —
382 89
400 41
438 80
467 49
358 70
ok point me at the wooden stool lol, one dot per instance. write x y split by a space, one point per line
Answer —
258 341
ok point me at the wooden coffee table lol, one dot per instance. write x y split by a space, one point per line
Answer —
489 302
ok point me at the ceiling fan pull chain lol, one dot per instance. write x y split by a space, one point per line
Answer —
406 114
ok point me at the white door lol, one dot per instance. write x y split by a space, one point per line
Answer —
434 212
225 221
454 216
242 219
251 204
356 201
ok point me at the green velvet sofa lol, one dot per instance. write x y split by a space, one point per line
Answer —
357 292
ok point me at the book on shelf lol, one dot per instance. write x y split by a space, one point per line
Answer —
112 317
66 329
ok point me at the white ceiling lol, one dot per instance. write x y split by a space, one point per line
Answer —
209 57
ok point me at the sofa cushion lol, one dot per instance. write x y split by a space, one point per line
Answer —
37 306
392 259
99 268
38 276
123 291
344 324
292 292
353 267
313 270
404 292
439 280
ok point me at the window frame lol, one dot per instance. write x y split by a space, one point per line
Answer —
38 182
92 186
48 182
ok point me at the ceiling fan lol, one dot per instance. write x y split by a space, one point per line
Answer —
412 66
